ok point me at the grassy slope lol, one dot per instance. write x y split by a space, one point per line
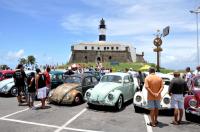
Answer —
120 67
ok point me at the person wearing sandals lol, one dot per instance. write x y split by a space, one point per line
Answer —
154 86
40 82
177 88
31 90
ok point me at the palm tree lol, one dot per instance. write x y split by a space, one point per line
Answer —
31 59
22 61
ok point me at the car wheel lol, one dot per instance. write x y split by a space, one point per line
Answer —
13 91
137 109
188 116
78 99
119 103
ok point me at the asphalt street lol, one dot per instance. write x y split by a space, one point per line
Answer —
54 118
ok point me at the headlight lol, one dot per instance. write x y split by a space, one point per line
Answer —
88 94
166 100
50 93
4 88
193 103
110 96
138 98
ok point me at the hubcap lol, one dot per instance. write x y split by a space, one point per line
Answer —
120 102
77 99
14 91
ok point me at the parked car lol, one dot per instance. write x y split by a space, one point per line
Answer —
73 89
140 97
8 86
57 78
192 101
114 89
5 74
97 74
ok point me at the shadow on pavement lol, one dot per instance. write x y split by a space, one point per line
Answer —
109 108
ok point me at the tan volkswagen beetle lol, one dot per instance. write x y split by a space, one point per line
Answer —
73 89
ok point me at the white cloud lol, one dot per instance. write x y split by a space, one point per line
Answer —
15 55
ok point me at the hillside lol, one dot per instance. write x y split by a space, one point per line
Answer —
121 66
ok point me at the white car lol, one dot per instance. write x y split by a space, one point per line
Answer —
140 97
8 86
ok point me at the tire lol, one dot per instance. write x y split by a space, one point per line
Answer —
137 109
119 104
13 91
78 99
188 116
90 106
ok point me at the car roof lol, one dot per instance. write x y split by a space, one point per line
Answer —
82 75
57 72
122 74
7 71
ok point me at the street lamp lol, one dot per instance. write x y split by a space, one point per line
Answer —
197 11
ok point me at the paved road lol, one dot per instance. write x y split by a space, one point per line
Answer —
79 118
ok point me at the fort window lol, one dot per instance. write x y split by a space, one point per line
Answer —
110 57
92 48
98 48
104 48
85 47
117 48
112 48
86 59
107 47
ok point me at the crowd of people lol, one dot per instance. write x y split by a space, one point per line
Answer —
38 84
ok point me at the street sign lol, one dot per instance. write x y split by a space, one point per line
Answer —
165 31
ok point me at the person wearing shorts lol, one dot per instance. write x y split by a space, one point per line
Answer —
154 86
177 89
19 79
31 90
41 87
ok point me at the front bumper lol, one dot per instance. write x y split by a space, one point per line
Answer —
99 102
194 111
145 106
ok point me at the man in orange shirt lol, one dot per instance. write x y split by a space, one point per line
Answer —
154 86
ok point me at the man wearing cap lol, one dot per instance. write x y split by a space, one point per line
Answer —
154 86
177 89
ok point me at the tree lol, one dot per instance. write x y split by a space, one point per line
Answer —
3 67
22 61
31 59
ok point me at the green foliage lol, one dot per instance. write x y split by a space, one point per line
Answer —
22 61
121 67
31 59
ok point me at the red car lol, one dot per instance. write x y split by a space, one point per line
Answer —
192 100
4 74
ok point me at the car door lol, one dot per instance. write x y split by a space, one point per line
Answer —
131 87
87 83
126 88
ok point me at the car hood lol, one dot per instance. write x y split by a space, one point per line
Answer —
5 82
61 90
101 90
197 93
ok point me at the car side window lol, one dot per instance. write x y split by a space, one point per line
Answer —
94 80
130 78
126 79
87 81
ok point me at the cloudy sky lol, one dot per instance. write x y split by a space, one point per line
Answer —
48 28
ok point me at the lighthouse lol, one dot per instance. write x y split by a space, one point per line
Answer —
102 30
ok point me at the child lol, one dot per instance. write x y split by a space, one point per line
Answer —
31 90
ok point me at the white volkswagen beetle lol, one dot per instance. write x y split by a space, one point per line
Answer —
140 97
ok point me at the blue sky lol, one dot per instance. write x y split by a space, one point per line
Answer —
48 28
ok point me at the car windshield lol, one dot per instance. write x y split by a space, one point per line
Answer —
111 78
197 82
166 81
73 79
56 76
